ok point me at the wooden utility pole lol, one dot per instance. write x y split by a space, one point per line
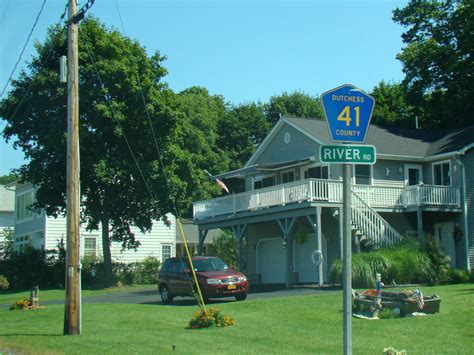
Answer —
71 311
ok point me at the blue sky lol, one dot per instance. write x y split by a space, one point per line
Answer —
244 50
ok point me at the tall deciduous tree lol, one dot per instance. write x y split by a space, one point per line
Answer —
391 106
296 104
193 146
113 186
438 59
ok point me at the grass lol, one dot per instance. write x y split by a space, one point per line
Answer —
286 325
9 297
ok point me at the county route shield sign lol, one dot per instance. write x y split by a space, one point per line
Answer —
348 112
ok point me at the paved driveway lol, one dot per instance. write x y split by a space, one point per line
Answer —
151 296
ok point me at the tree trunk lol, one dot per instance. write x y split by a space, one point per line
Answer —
106 251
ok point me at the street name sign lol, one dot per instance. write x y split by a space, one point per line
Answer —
348 154
348 112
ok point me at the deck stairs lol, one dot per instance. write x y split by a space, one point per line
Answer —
369 228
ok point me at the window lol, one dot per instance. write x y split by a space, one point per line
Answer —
317 172
287 176
165 252
262 182
22 203
90 246
22 243
442 173
362 174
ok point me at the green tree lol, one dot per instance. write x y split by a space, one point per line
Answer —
240 132
225 247
391 107
296 104
193 146
112 186
438 60
6 179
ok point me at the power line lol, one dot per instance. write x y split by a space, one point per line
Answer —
108 99
63 15
24 47
160 156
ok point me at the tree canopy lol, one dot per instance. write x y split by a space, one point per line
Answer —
123 182
438 60
296 104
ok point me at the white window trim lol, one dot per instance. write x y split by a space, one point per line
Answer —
315 165
83 244
161 250
34 214
450 171
413 166
371 176
17 244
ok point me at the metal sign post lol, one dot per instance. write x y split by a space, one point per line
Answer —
347 259
348 112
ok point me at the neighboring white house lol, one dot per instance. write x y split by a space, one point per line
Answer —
7 211
44 232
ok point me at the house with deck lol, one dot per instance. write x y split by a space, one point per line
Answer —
40 231
288 220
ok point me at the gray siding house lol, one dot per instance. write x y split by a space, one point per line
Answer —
7 212
422 186
44 232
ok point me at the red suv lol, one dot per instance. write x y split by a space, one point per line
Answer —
215 279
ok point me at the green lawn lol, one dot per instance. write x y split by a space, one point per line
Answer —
289 325
8 297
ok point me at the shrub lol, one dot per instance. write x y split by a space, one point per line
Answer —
210 317
405 264
4 283
458 276
33 267
388 313
21 304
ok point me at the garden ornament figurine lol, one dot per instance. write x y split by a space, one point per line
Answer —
379 284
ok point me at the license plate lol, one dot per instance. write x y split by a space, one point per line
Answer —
231 287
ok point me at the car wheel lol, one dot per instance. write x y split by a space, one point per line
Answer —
165 294
241 297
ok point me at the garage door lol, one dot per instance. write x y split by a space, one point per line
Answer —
271 260
307 272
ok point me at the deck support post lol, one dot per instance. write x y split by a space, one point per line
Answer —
239 232
315 223
202 238
419 221
286 225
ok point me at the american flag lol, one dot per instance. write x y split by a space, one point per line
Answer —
218 182
419 298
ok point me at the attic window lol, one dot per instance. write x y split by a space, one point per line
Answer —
287 138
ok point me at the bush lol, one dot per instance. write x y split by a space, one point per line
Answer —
33 267
402 265
388 313
4 283
210 317
458 276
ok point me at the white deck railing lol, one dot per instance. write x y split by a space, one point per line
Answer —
328 191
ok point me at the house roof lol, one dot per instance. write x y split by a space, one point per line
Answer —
417 143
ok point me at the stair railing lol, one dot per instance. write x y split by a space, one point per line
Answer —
371 224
